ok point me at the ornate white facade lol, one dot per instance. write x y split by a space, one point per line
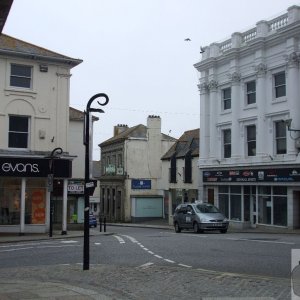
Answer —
249 90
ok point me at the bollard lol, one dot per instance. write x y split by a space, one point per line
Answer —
100 223
104 224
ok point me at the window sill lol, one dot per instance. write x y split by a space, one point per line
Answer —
279 100
20 91
225 112
250 106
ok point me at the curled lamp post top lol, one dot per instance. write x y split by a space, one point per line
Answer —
99 95
56 151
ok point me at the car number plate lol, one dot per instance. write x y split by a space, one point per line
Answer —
218 224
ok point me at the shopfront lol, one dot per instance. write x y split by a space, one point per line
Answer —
24 195
251 197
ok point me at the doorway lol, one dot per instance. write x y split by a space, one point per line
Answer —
211 196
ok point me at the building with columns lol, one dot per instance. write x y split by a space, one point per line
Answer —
250 125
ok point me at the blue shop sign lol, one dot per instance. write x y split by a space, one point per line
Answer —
141 184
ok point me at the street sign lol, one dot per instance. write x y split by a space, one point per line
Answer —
89 184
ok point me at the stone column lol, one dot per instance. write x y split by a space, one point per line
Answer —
292 92
261 130
204 122
235 78
213 100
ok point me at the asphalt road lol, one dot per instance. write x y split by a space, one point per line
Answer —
252 254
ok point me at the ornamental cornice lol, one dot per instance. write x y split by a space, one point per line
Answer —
203 87
212 85
292 60
234 77
260 69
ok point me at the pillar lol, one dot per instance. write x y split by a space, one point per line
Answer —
64 213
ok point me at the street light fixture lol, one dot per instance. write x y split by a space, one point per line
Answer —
54 155
88 184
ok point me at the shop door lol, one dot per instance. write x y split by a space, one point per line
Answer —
211 196
253 210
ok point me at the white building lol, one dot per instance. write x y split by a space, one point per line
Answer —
34 120
131 170
249 157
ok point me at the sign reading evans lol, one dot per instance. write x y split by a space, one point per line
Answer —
34 167
141 184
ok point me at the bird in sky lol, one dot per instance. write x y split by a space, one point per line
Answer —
202 50
187 40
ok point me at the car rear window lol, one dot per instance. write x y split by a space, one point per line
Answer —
204 208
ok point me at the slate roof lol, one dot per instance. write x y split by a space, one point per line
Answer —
15 47
138 131
188 141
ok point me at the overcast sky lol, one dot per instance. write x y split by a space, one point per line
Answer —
134 51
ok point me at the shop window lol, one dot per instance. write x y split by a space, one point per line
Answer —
35 201
224 204
264 209
18 132
10 197
280 211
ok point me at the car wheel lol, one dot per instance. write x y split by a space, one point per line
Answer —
196 227
177 228
223 230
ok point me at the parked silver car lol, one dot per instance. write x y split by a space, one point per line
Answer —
199 217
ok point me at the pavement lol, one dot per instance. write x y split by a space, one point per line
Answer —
64 282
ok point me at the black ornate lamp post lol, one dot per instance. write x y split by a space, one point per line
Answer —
88 183
53 155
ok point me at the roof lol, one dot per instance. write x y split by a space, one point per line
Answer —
138 131
189 141
78 115
15 47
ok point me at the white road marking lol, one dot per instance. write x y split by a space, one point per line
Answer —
150 252
121 241
146 265
16 249
69 242
133 240
261 241
185 266
158 256
170 261
97 244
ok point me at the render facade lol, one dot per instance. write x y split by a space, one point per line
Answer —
249 106
34 120
131 170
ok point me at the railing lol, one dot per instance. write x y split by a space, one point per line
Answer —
278 22
226 45
249 35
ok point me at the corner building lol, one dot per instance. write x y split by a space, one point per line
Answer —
34 120
250 124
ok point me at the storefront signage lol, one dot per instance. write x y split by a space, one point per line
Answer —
76 188
141 184
34 167
253 175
